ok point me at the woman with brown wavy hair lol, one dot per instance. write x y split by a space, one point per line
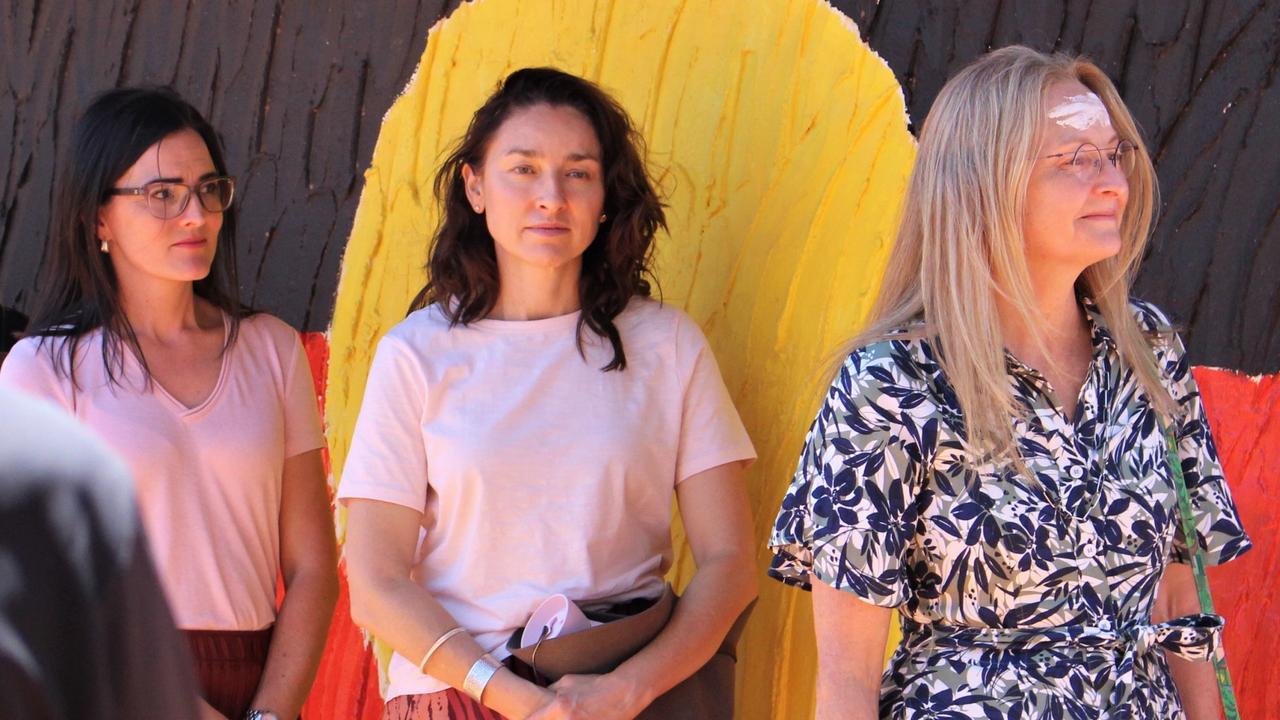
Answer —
525 428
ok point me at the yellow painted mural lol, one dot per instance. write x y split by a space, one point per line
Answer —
782 146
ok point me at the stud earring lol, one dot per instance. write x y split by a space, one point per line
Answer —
603 217
477 209
103 247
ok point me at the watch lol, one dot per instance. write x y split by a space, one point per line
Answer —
256 714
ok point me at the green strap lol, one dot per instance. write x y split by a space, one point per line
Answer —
1225 690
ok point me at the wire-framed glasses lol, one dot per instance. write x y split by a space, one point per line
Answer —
1085 162
167 200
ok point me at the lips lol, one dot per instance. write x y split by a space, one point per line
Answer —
547 229
191 243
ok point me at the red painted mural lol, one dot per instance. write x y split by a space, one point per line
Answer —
346 685
1246 426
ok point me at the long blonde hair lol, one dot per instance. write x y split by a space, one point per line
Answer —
960 243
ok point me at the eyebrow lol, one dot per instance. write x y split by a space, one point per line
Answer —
1115 138
572 157
207 176
1067 146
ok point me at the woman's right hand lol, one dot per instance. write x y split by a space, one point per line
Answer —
556 708
577 698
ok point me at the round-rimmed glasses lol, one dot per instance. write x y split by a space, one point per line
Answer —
1085 162
167 200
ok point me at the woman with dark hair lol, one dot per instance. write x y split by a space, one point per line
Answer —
140 333
525 429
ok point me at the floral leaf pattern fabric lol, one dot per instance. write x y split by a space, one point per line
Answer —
1021 596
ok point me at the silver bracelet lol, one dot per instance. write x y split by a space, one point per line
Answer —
481 672
422 666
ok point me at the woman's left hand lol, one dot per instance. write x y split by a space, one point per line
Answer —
600 697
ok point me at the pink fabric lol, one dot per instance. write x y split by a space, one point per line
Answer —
536 472
208 478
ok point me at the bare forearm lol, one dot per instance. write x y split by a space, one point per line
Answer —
1197 686
848 690
1176 597
410 620
851 636
716 596
297 642
309 563
840 699
862 710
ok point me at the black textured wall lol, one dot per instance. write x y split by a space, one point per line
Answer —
298 90
1201 79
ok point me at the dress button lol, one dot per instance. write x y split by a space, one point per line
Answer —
1089 549
1076 472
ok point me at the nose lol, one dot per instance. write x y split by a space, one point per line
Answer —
194 214
1111 180
550 192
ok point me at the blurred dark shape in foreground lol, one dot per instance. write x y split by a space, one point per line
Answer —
84 628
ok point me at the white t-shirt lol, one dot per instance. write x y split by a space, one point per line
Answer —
536 472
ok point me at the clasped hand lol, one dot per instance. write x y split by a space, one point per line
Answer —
591 697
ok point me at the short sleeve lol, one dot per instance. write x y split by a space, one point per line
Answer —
388 457
849 516
1220 534
302 428
711 432
29 368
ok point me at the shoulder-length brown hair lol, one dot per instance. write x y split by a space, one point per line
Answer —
616 266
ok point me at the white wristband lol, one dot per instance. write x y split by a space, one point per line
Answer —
481 672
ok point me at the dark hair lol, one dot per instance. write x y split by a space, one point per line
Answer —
616 266
79 290
12 323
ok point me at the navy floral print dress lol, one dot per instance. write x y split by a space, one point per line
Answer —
1019 598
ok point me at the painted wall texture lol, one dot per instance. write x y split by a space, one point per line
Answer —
782 138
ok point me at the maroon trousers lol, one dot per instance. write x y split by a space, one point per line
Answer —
229 665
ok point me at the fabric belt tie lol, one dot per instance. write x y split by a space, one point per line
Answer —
1191 637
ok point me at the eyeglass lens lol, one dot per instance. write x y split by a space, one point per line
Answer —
169 200
1088 158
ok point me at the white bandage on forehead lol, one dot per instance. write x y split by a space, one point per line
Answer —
1081 112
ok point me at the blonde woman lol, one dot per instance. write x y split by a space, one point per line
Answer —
989 460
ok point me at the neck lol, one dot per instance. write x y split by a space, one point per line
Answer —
1061 318
536 293
161 309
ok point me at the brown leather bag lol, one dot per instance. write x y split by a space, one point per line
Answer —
705 695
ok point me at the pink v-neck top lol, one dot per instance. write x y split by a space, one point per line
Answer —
208 478
535 472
